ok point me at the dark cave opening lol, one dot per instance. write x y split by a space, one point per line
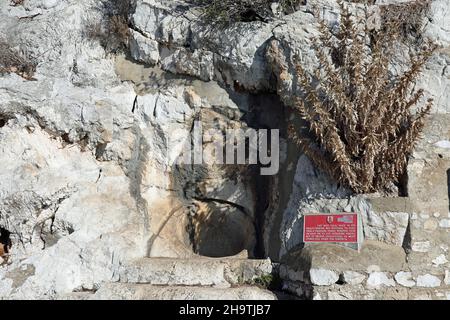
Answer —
5 242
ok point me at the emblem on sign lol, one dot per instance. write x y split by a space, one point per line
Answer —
330 219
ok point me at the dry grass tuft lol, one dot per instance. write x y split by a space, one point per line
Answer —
223 13
12 61
360 123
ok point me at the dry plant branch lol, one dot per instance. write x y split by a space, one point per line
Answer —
361 123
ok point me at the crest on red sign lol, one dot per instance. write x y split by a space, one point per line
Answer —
330 219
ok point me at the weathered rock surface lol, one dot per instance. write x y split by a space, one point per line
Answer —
379 271
353 277
148 292
428 280
378 279
88 176
89 187
194 271
339 259
323 277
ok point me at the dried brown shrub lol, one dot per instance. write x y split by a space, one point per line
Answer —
12 61
112 31
406 19
290 6
360 123
223 13
5 245
16 3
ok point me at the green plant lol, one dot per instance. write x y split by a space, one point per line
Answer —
360 125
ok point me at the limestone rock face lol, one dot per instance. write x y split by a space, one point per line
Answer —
69 216
233 56
89 177
91 181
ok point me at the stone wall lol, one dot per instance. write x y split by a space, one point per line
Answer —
87 184
379 271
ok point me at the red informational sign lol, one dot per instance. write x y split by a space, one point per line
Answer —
330 228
